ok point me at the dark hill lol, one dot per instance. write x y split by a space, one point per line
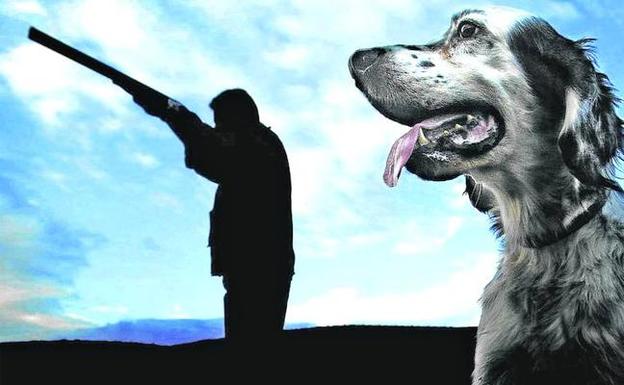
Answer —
348 354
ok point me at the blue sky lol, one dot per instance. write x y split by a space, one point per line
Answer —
100 222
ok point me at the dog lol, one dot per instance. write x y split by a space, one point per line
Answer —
524 115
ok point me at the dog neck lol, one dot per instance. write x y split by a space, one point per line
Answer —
573 220
536 216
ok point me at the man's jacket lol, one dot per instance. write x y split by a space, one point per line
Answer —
251 221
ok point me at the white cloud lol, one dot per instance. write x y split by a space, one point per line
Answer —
178 312
24 7
51 85
418 237
454 298
18 231
352 20
289 57
90 169
166 201
309 169
47 321
363 240
57 178
13 313
146 160
91 20
352 143
558 10
457 198
110 309
12 294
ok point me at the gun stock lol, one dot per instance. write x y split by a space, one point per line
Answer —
124 81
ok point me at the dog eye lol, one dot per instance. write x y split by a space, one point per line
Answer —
467 30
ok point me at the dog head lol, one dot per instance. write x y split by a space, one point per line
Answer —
500 89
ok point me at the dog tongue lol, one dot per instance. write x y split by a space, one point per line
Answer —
403 148
399 155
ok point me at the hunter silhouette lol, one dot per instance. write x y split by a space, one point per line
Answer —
251 221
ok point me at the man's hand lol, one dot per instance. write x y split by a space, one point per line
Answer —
169 110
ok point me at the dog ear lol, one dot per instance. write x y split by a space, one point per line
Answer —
565 76
591 132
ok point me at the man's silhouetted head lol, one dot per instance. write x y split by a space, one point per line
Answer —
235 108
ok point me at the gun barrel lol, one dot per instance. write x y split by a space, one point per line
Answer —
72 53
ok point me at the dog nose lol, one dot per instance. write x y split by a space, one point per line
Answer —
362 59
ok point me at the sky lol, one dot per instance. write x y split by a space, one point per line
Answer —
100 222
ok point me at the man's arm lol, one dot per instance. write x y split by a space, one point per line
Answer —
184 123
207 151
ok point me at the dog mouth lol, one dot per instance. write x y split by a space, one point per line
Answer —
464 133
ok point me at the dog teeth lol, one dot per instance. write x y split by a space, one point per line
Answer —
470 118
446 132
457 127
422 139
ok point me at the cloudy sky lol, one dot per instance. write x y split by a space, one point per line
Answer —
100 222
